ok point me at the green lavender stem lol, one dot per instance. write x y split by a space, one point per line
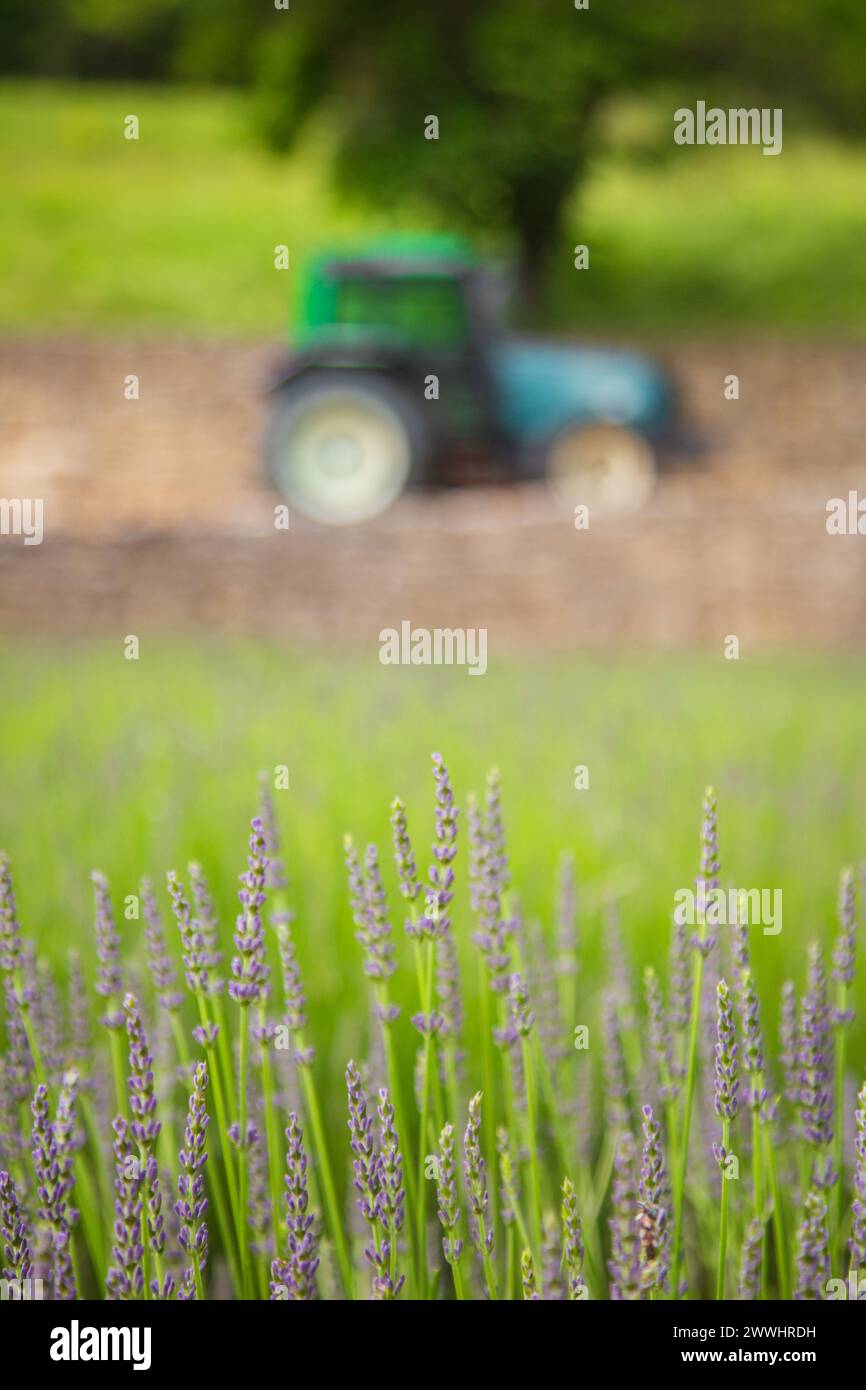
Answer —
778 1219
723 1217
688 1100
314 1115
534 1166
243 1152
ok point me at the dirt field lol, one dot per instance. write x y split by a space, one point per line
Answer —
157 516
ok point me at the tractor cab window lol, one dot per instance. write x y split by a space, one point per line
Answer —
425 311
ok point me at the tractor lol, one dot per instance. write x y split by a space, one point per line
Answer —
403 376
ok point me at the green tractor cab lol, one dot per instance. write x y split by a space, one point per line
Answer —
402 376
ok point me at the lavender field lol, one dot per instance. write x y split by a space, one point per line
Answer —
292 1012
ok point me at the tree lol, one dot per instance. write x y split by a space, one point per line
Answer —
520 89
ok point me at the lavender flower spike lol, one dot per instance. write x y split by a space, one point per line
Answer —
195 955
652 1215
750 1268
446 1190
624 1263
844 954
475 1175
250 973
108 978
572 1243
145 1127
295 1277
10 933
52 1163
410 884
125 1278
813 1062
16 1261
726 1084
528 1281
813 1256
191 1204
368 1171
857 1241
162 968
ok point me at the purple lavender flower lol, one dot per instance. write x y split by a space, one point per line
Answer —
79 1054
528 1281
753 1040
789 1043
206 928
249 983
361 1131
275 874
680 1004
407 873
368 1183
710 866
295 1276
294 999
125 1278
448 988
857 1241
727 1083
370 912
624 1263
391 1196
477 851
145 1127
162 968
813 1057
750 1267
445 844
475 1177
448 1209
191 1205
51 1147
109 983
813 1256
652 1214
844 955
10 932
195 954
17 1261
551 1259
615 1085
660 1041
572 1243
522 1015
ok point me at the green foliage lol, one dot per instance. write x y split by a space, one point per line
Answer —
176 231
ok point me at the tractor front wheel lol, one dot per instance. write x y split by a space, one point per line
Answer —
342 445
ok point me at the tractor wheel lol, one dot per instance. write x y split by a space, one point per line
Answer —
611 470
342 445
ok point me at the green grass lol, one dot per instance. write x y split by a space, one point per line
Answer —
137 767
175 232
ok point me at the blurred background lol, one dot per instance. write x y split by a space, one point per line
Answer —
304 127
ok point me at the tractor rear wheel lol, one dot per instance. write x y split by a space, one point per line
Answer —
609 469
342 444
